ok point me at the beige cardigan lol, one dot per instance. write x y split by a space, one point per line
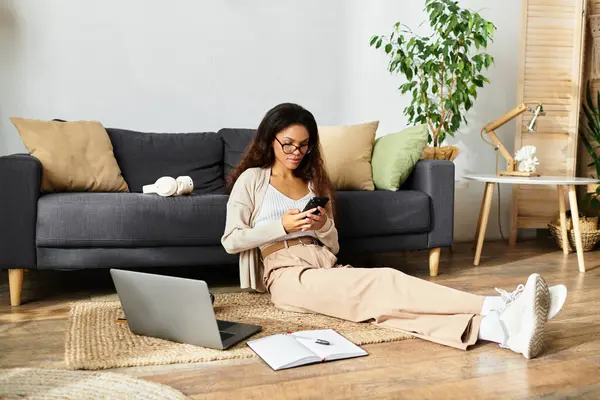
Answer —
242 237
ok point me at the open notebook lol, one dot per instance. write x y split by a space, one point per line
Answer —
289 350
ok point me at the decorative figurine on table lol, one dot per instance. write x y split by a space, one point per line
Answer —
526 159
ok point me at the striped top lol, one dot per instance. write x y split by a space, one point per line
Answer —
243 238
275 204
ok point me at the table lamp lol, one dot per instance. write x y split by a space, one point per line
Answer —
531 127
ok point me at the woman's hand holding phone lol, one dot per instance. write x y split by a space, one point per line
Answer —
296 221
317 220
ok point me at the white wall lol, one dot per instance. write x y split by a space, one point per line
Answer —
190 65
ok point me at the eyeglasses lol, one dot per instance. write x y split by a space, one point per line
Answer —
290 148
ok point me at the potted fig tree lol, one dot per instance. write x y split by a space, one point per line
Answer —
443 69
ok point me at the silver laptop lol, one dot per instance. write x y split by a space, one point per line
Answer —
176 309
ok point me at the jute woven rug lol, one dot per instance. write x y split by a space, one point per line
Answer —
41 384
95 341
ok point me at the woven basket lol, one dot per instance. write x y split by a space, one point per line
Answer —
586 224
589 238
440 153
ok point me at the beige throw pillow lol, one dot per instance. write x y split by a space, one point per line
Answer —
75 156
347 152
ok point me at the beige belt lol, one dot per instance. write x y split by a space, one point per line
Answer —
304 240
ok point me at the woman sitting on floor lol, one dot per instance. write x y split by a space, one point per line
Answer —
278 174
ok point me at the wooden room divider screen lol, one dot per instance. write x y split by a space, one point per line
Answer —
550 71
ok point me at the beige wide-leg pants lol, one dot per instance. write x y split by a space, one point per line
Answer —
307 278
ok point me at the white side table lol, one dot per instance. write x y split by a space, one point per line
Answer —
561 183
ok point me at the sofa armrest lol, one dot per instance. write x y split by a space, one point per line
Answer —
20 178
436 179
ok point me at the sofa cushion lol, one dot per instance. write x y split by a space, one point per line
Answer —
144 157
75 156
236 141
129 220
395 156
347 153
382 212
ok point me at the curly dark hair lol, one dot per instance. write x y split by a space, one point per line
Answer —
260 152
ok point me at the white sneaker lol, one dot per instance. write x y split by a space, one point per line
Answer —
523 316
558 297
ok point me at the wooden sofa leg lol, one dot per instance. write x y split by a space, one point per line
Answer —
434 261
15 284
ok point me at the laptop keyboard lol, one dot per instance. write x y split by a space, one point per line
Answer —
225 335
223 325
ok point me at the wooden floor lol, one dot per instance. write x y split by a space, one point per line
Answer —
33 335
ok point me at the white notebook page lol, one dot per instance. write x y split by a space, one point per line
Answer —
280 350
339 346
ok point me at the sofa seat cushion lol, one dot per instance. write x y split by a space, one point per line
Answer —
129 220
382 212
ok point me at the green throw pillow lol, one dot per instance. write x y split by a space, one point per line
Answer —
395 155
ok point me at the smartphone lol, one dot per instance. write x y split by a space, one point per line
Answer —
319 201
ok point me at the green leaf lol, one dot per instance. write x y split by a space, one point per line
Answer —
586 134
373 40
442 137
468 104
594 113
378 45
488 60
388 48
588 147
455 124
434 17
591 118
471 22
443 19
434 88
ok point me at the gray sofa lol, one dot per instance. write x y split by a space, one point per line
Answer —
69 231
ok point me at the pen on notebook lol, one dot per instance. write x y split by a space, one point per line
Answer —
318 341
